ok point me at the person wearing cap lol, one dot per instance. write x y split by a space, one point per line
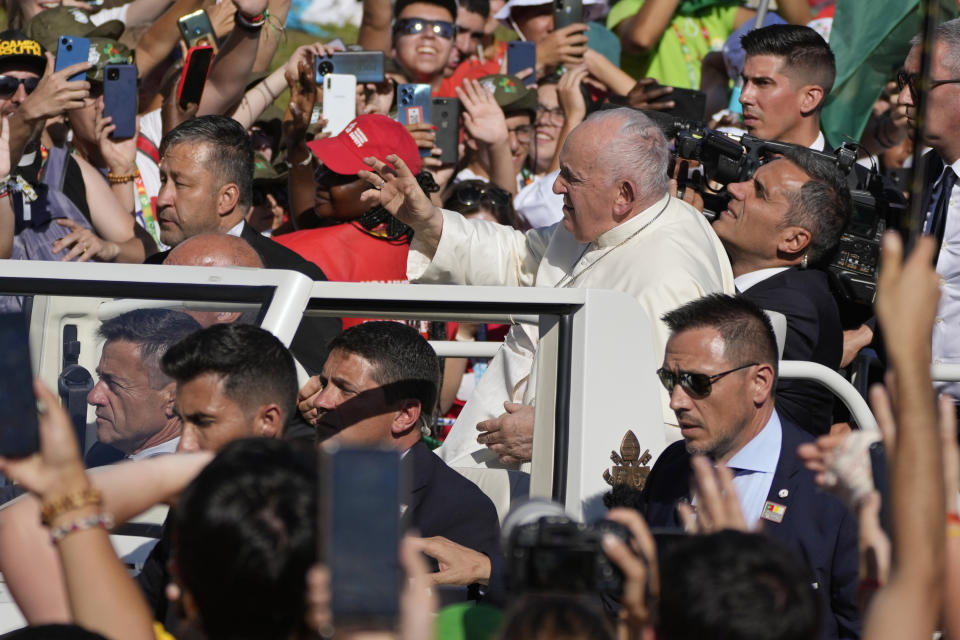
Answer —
498 120
55 214
621 230
356 242
207 168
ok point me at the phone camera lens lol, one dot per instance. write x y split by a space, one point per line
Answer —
325 67
113 74
69 47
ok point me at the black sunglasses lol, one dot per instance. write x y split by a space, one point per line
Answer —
905 79
697 385
415 26
9 85
469 195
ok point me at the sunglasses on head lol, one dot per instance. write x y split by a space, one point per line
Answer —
416 26
696 385
9 85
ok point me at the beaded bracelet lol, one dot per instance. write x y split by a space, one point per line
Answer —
53 508
121 179
104 520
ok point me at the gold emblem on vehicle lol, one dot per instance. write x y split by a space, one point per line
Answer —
630 468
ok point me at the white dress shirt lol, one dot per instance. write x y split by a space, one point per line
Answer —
946 328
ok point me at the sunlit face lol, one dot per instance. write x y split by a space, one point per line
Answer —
771 103
716 425
521 135
210 418
423 55
129 409
588 193
352 403
549 123
751 226
189 193
9 104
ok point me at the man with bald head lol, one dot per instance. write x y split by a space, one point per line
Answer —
206 173
214 250
620 230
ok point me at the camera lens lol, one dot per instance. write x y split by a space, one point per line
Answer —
113 74
69 47
325 68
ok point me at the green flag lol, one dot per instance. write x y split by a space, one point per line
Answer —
870 41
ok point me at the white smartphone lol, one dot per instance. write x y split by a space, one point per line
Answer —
339 101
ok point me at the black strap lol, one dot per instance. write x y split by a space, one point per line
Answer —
939 222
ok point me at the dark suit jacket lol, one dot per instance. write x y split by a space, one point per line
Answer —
816 525
814 333
309 344
444 503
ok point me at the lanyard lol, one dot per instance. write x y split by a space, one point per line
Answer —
146 216
691 59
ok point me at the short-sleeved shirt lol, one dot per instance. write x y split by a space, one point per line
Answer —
676 59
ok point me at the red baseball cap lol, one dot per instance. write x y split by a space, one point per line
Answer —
367 135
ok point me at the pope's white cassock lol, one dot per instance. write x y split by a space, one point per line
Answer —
664 256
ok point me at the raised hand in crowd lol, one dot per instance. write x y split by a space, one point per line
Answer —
640 569
487 124
7 222
564 46
717 506
574 105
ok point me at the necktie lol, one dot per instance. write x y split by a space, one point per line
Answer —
938 221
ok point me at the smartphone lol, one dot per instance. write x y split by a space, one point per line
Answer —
690 104
196 29
19 434
445 115
194 75
120 98
362 492
414 103
567 12
339 101
71 50
522 55
366 66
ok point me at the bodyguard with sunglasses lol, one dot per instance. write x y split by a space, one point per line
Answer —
720 369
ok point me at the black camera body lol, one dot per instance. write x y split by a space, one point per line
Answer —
556 554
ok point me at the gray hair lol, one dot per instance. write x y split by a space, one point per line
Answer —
637 151
947 33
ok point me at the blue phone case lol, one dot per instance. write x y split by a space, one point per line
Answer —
120 98
71 50
522 55
415 105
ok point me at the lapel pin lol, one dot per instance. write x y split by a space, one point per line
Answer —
773 512
783 493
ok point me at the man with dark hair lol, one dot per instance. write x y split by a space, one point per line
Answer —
233 381
423 37
720 369
206 171
134 398
471 19
735 585
787 75
788 216
380 387
246 531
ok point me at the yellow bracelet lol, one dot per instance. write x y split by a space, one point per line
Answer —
121 179
76 500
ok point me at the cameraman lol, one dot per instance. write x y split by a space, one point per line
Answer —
788 216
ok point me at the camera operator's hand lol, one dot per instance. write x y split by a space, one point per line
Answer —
510 436
639 566
459 565
648 94
717 505
563 46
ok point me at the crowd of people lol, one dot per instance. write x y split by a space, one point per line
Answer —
770 514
